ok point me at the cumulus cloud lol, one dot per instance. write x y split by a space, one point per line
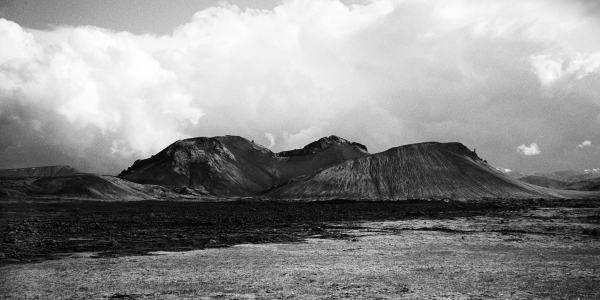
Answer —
550 68
87 86
271 139
585 144
382 72
532 149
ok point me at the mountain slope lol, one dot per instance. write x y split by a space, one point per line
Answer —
81 186
425 170
591 184
39 171
510 173
571 175
544 182
234 166
584 185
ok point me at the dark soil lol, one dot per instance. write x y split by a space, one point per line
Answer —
31 231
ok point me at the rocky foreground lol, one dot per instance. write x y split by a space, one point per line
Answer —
538 249
43 229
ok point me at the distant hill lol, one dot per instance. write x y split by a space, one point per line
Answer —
68 182
235 166
563 176
544 182
425 170
39 171
575 180
511 173
81 186
582 185
98 187
571 175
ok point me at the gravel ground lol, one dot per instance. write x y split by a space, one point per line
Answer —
526 253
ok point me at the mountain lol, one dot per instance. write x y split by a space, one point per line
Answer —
81 186
424 170
568 179
585 175
571 175
235 166
39 171
584 185
582 180
544 182
511 173
329 168
581 185
65 181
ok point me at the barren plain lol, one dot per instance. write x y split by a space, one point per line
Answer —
511 249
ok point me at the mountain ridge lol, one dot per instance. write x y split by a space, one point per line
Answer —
422 170
235 166
320 145
43 171
330 168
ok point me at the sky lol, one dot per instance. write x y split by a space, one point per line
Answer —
100 84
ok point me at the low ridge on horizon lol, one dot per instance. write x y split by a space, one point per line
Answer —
39 171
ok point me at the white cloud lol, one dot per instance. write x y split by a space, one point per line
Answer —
384 73
550 68
585 144
303 137
532 149
271 139
100 83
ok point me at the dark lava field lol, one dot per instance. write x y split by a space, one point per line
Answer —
37 230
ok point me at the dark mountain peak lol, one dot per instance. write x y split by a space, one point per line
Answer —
184 152
232 165
201 146
217 144
453 147
236 138
241 143
321 145
460 148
